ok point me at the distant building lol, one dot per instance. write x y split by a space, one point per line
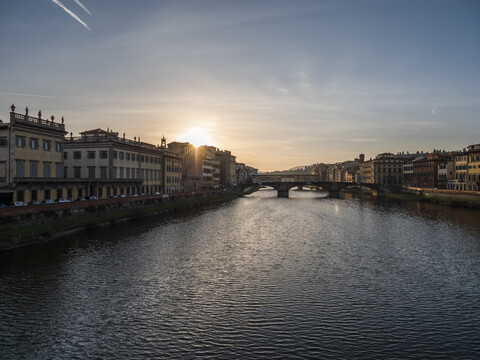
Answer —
425 170
191 164
473 179
227 167
366 170
241 173
446 173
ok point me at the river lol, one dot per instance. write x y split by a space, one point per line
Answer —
257 277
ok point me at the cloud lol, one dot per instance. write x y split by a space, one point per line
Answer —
71 13
362 140
435 109
82 6
41 96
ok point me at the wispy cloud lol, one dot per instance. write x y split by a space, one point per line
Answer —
82 6
30 95
71 13
362 140
435 109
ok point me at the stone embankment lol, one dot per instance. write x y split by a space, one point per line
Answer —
30 224
455 198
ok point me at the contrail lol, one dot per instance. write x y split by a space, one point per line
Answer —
71 13
82 6
42 96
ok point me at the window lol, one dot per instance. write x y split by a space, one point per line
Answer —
59 193
20 167
34 195
121 172
65 173
33 168
128 173
133 157
47 145
47 194
77 172
121 155
65 155
114 174
91 172
33 143
3 142
20 195
58 147
90 154
127 156
46 169
103 154
103 172
21 142
59 170
115 154
77 155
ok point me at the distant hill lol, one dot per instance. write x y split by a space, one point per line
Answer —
302 169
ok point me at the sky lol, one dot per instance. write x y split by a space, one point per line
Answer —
278 83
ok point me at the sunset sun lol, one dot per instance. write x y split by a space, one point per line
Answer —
196 136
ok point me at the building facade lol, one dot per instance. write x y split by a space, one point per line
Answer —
109 165
31 164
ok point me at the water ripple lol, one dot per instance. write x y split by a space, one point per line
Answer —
260 277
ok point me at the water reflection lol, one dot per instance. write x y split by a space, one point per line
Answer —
263 277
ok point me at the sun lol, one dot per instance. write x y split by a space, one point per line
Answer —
196 136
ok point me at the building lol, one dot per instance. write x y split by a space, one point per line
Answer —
191 164
109 165
210 166
241 172
473 177
388 169
407 173
31 163
172 170
366 170
446 173
227 167
425 170
385 169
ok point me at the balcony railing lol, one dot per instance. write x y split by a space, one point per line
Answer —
25 119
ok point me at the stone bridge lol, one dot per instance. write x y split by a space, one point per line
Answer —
283 184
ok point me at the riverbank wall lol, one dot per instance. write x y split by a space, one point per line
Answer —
467 199
25 225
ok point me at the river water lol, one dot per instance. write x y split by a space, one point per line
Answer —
257 277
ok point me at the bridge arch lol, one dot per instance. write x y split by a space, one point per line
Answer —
283 184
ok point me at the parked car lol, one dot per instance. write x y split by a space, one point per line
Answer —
62 200
18 203
2 206
123 196
113 196
93 197
80 199
134 195
34 202
48 201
